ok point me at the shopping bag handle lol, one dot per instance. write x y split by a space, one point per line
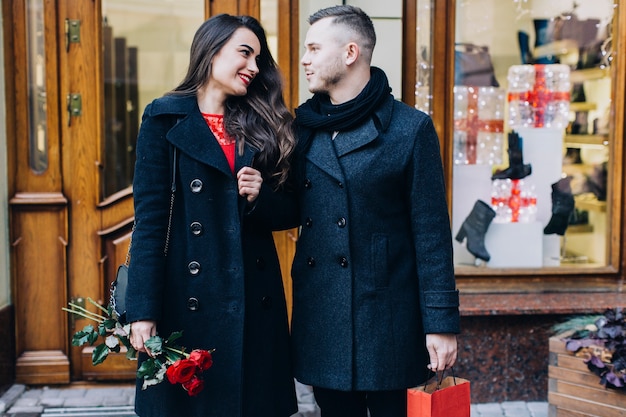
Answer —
439 375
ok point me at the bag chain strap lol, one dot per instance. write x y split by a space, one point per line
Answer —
169 219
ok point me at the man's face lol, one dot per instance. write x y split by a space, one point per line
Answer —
324 56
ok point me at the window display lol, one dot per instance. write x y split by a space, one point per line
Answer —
531 139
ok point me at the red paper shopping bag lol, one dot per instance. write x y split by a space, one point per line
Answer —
449 397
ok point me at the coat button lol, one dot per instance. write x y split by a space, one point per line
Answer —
341 222
196 228
307 183
194 267
310 261
266 302
308 222
260 263
340 184
343 261
193 304
196 186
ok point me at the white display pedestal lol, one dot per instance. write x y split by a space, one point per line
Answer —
470 183
543 150
515 245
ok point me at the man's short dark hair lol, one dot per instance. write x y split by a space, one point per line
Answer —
355 19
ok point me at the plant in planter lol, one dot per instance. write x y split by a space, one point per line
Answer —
601 341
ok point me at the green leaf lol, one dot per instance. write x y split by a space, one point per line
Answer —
99 354
131 353
158 376
109 324
102 331
93 336
155 345
84 336
173 337
147 368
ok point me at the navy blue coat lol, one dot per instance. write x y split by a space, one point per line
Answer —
373 269
220 282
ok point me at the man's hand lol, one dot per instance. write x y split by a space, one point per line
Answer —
442 350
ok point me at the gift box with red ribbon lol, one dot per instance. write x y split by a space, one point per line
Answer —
478 125
538 95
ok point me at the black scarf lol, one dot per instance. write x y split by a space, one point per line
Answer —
319 113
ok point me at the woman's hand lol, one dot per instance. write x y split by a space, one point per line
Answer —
140 331
249 181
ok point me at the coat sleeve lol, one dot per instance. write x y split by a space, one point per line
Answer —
275 209
430 221
151 192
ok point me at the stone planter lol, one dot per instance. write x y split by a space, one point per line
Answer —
574 391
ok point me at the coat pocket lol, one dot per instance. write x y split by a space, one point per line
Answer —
380 260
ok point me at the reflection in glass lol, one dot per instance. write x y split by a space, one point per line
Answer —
145 54
38 130
269 21
547 65
423 88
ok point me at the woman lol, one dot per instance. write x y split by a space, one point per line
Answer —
224 136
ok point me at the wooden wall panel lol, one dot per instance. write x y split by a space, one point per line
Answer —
39 239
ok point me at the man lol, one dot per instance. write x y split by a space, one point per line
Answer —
375 304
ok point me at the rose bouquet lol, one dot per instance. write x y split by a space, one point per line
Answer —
168 360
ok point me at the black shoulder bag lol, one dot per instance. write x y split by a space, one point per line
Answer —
117 296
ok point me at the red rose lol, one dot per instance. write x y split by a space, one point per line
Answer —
181 371
194 386
202 359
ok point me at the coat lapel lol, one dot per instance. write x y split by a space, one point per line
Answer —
349 141
193 137
322 154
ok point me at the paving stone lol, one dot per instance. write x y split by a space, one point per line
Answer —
114 400
10 396
82 402
48 392
72 392
26 401
17 409
52 402
489 409
32 393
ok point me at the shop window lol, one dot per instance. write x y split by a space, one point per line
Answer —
532 136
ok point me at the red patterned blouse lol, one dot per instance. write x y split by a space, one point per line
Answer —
216 124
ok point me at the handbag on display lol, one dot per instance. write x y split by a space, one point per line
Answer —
473 66
117 292
444 397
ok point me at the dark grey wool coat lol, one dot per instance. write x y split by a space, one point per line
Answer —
220 282
373 268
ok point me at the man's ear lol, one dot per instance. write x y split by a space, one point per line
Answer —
352 53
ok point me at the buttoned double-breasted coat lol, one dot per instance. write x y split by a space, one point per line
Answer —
373 268
220 282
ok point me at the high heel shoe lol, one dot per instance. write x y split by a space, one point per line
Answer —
474 228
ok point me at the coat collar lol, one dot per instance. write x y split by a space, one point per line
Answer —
324 153
192 135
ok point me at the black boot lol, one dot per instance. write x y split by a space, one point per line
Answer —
474 228
562 207
516 170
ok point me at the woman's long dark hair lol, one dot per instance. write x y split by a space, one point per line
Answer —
260 118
